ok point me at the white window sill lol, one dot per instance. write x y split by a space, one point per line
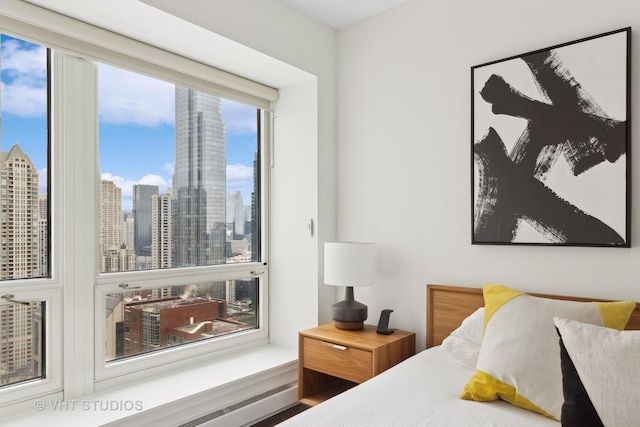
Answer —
171 399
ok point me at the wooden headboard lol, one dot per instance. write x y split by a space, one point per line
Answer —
448 306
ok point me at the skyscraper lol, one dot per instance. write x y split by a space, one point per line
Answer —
43 235
199 181
43 206
19 240
110 226
255 212
20 345
161 233
20 243
142 217
110 203
127 228
236 212
43 245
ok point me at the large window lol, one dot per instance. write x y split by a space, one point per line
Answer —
178 172
142 321
174 165
23 160
21 330
134 193
24 207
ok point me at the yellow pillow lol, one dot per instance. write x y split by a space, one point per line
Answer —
520 356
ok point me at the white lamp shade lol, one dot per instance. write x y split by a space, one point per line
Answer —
349 263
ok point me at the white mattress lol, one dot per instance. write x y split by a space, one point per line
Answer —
421 391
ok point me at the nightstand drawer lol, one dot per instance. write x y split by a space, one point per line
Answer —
340 361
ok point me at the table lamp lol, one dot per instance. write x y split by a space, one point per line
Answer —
349 264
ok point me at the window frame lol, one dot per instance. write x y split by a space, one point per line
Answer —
119 371
43 289
39 291
184 354
73 367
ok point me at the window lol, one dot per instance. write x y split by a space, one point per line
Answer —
174 164
24 159
29 298
178 171
21 351
143 321
136 189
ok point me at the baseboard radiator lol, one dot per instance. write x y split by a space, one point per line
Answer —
250 410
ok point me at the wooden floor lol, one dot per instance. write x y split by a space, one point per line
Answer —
281 416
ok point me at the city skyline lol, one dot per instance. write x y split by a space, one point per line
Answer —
136 115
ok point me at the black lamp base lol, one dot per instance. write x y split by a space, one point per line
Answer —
349 314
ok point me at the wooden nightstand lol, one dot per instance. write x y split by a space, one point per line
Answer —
332 360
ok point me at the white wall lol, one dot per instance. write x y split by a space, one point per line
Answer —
404 150
294 288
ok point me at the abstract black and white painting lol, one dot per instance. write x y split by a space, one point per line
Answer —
550 141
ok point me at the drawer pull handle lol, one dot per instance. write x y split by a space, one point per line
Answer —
336 346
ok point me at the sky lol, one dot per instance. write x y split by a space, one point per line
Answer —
136 123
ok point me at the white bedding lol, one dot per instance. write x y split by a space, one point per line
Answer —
421 391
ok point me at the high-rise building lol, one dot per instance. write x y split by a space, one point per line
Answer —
199 181
142 195
161 232
43 235
128 231
43 245
114 327
20 345
255 212
231 291
23 244
235 213
110 242
19 239
43 206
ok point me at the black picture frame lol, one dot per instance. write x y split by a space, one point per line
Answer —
550 145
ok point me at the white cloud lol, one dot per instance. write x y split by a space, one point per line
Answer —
24 101
24 85
131 98
126 184
25 59
127 98
152 179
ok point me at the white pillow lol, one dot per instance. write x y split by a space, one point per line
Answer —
599 371
518 360
463 344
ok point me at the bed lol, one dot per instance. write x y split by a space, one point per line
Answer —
426 388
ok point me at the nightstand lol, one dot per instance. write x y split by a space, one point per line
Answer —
332 360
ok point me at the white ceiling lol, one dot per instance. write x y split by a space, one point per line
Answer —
341 13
